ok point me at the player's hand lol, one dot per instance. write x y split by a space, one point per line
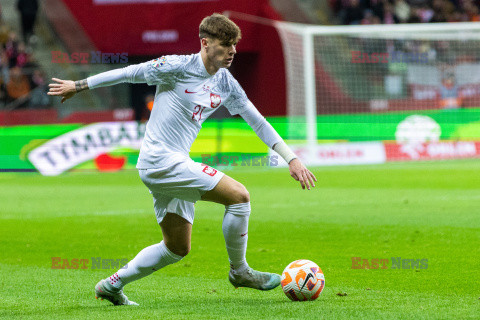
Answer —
64 88
302 174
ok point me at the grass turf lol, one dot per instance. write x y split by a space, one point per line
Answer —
408 210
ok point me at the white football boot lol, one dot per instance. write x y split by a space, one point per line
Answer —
254 279
115 297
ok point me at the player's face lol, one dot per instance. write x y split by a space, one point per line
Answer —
219 54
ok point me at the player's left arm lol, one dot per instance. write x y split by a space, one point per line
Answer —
272 139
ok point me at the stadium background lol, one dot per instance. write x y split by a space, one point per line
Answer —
368 107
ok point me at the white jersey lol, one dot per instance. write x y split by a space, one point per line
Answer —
186 96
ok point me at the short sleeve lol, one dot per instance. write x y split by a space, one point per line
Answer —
164 70
237 100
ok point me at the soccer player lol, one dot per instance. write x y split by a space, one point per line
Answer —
189 89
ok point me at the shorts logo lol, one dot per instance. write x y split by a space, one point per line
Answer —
215 100
159 62
209 170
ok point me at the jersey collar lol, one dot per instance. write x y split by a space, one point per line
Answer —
203 70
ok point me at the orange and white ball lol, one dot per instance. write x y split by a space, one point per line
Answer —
302 280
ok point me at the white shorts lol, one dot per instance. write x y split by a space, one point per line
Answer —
177 187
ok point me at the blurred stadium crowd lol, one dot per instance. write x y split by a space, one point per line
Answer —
352 12
22 82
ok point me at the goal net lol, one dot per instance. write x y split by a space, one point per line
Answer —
407 84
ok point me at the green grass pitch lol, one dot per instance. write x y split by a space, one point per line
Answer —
408 210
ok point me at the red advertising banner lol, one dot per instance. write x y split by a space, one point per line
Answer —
355 153
149 27
432 151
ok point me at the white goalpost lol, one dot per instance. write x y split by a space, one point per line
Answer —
369 94
332 69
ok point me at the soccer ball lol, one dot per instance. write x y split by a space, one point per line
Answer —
302 280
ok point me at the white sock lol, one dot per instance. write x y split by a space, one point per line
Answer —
235 229
146 262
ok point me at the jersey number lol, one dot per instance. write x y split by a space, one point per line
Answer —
197 114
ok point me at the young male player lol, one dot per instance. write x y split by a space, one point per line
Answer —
189 89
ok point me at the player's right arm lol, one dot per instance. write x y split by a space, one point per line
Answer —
68 88
154 72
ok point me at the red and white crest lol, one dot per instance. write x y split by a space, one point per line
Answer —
209 170
215 100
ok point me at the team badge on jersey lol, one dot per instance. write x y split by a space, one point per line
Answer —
215 100
159 61
209 170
